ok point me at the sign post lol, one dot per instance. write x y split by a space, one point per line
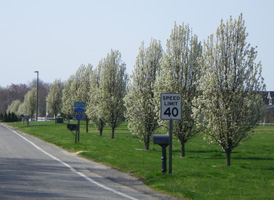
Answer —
79 111
171 109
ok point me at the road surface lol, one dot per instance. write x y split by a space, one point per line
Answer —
33 169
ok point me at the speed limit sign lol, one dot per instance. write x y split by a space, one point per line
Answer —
171 106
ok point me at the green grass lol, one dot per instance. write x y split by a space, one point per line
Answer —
201 175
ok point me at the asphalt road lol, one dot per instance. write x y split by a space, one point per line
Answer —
33 169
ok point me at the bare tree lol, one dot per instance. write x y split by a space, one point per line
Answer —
17 92
11 93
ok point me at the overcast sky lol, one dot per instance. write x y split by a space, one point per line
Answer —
55 37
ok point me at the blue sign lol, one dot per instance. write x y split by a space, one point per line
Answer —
78 113
79 104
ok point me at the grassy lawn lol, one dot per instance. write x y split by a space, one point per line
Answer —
201 175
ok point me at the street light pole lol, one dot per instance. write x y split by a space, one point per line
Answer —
37 94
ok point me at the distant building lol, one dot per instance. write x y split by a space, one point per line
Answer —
269 99
269 107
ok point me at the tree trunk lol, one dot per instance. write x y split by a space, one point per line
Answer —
228 153
101 127
101 131
87 124
112 132
78 130
147 140
182 149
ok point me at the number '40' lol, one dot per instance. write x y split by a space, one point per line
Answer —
174 112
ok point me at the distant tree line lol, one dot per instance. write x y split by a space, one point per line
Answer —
20 99
219 80
8 117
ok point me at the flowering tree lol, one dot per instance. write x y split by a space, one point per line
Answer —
231 103
30 101
141 114
93 105
112 90
54 98
180 73
13 107
67 98
82 86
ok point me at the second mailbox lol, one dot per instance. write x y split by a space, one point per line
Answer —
72 127
161 139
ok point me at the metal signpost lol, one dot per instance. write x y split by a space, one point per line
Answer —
79 111
73 127
171 109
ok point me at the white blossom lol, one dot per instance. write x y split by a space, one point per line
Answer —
231 103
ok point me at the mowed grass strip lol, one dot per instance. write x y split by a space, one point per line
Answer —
201 175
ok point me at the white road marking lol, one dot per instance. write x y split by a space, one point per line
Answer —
72 169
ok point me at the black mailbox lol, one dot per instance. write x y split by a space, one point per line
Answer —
72 127
25 116
161 139
59 120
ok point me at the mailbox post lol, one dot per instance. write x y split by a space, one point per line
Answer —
73 127
163 141
25 118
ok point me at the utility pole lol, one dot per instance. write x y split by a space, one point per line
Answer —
37 94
